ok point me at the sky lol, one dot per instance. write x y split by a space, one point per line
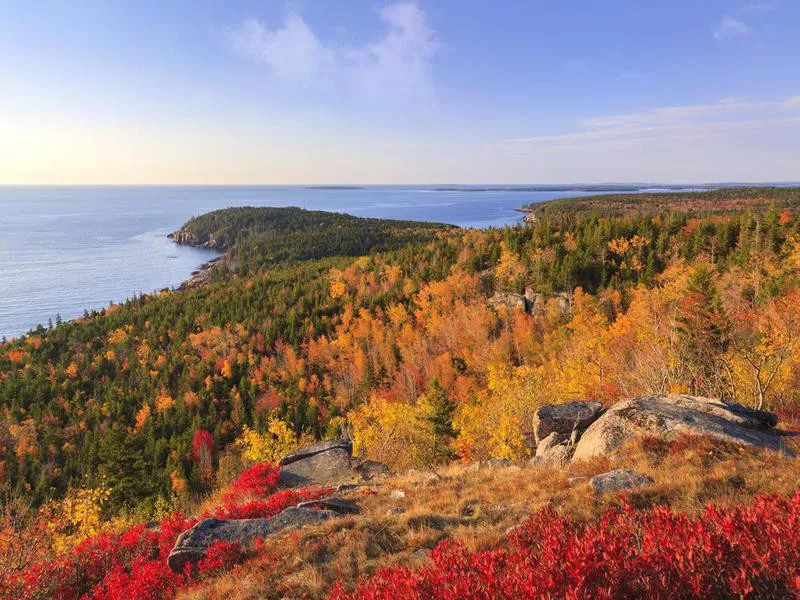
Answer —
432 91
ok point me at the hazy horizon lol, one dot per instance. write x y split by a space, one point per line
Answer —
654 184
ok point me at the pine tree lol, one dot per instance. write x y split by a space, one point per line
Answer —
703 329
124 467
441 420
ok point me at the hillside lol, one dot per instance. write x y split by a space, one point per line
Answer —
719 201
256 237
717 518
429 347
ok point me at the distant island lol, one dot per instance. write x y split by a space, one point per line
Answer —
334 187
544 188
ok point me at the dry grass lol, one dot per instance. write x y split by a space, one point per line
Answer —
477 505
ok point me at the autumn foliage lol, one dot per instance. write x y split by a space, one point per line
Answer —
745 552
132 564
384 331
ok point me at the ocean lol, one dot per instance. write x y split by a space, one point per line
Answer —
64 250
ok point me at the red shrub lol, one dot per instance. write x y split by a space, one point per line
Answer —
220 555
750 552
77 572
269 507
257 481
145 580
170 528
133 564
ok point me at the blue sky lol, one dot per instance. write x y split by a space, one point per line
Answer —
382 92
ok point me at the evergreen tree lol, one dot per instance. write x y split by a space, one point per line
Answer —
441 420
124 468
703 329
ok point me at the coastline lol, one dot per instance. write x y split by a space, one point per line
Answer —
203 275
205 272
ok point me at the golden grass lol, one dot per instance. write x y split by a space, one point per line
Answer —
478 505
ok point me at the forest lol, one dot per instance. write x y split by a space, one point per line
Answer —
715 201
321 325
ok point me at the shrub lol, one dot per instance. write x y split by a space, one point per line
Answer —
271 506
132 564
745 552
220 556
256 481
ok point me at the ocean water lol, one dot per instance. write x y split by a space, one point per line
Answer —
64 250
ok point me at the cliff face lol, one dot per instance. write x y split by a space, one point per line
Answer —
190 238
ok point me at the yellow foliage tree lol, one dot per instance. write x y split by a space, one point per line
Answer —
338 289
278 441
178 483
495 426
509 270
395 433
80 515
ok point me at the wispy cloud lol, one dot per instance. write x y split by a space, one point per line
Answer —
673 113
759 6
397 65
793 103
730 28
675 122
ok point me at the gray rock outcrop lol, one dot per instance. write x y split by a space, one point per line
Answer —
370 469
338 505
618 480
327 463
552 449
192 544
509 300
498 463
567 421
316 448
531 301
670 415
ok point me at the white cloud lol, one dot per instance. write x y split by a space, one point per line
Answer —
730 28
680 131
396 66
293 51
398 63
655 115
674 123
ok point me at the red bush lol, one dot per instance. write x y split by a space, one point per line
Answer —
269 507
750 552
257 481
77 572
220 555
133 564
145 579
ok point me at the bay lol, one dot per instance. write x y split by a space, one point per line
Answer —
64 250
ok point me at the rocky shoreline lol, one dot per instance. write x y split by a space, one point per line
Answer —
204 274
